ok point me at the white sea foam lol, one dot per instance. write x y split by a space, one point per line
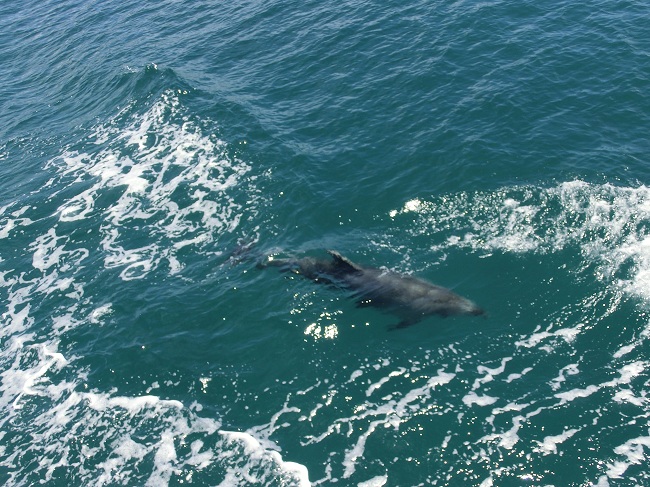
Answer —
510 437
602 482
549 444
483 400
571 369
489 373
373 387
98 314
635 452
149 179
24 378
627 373
488 482
625 395
264 432
608 223
378 481
256 457
13 220
388 412
515 376
355 375
120 432
624 350
568 334
109 424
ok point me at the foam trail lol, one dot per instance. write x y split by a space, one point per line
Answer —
257 458
181 190
608 223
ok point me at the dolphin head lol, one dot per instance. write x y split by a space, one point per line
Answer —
477 311
447 303
468 307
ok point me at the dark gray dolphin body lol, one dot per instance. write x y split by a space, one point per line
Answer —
410 298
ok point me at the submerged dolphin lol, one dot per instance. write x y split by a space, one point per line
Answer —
411 299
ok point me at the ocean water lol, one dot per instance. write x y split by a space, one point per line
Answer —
497 148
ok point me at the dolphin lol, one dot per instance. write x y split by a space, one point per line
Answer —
410 298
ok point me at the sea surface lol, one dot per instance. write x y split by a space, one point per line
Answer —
152 154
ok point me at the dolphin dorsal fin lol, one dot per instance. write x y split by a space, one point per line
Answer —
344 261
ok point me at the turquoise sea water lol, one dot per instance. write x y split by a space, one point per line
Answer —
497 148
